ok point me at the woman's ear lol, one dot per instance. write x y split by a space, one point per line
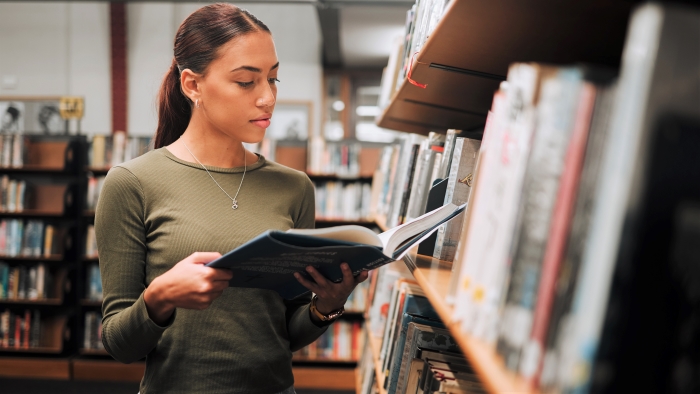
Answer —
189 84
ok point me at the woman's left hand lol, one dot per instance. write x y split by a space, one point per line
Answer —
331 296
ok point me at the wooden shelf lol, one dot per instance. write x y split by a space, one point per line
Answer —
32 213
380 221
31 350
107 370
375 344
53 258
15 367
470 50
35 169
98 171
25 301
322 360
93 352
434 279
336 177
324 378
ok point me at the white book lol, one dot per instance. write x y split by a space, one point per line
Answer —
118 145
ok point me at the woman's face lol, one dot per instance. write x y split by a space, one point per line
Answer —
238 91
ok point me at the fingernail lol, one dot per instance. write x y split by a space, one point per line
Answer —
309 268
346 266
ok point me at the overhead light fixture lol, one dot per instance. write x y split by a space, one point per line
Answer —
338 105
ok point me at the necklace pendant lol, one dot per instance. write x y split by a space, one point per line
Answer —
235 204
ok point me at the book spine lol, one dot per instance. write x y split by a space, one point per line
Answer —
555 114
409 183
560 225
451 182
569 272
460 194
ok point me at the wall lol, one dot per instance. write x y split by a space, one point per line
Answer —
152 28
56 49
62 48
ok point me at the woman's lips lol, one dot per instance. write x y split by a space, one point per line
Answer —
263 123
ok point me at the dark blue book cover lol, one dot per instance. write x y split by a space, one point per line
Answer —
270 260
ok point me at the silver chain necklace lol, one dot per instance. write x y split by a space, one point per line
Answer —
234 204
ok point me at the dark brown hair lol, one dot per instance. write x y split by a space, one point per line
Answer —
196 44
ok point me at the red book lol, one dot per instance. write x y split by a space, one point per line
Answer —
560 225
18 331
27 328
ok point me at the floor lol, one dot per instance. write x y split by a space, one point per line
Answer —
35 386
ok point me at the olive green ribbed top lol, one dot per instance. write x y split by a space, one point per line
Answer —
156 210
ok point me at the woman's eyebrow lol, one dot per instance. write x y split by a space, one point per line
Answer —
254 69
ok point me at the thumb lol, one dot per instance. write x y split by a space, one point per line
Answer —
204 257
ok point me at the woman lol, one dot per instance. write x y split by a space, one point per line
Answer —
162 216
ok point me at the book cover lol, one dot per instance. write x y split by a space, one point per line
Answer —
459 186
270 260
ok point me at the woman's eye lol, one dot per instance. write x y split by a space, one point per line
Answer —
273 80
245 84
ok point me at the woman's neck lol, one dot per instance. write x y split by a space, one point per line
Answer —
211 148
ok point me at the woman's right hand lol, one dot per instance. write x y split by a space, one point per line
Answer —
189 284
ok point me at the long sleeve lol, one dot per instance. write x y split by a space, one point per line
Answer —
128 334
302 330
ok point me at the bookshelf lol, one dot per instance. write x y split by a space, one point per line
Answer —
49 166
433 276
468 54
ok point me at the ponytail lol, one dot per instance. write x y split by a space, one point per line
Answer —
174 109
197 41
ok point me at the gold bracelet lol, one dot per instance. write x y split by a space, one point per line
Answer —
331 316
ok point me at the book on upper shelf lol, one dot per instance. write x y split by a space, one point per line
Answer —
270 260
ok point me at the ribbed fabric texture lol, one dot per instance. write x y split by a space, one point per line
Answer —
156 210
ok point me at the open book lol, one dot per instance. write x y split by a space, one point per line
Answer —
270 260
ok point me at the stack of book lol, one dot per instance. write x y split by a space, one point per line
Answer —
13 194
30 238
416 351
357 302
420 174
341 158
91 243
92 333
342 342
12 150
20 330
584 197
95 184
338 200
93 282
106 151
25 282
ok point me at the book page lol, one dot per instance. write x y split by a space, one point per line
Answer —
352 233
